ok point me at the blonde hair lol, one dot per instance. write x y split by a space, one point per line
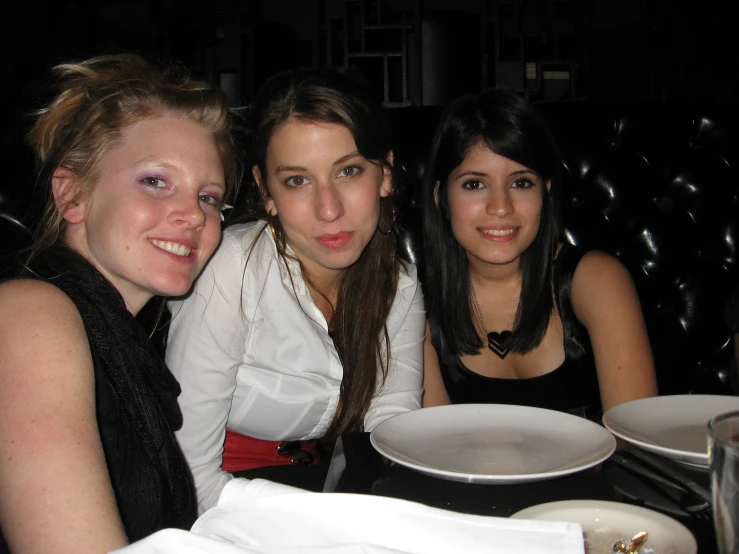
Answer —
98 98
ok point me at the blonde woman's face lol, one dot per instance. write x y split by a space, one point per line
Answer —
324 192
152 219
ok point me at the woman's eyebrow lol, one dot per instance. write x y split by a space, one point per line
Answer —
158 163
283 168
347 157
471 174
526 172
341 160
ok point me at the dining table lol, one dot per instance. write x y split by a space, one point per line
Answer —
357 467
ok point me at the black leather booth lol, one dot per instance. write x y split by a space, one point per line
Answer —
15 227
656 185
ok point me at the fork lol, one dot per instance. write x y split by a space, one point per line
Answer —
701 509
669 471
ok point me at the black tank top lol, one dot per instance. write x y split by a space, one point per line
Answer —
572 387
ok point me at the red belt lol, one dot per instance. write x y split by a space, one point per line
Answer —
241 453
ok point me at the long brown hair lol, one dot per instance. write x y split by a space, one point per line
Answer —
368 287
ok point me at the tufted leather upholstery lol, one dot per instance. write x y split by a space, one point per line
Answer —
13 230
655 185
16 192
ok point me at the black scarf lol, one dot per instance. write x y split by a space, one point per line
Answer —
136 402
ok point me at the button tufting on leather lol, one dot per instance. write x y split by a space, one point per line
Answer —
665 205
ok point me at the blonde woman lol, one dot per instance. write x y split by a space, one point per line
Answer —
136 162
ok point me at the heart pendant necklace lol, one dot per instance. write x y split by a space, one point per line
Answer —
496 341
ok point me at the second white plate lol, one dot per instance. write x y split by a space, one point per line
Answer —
673 426
492 443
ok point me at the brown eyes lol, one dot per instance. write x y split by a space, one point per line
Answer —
345 172
520 183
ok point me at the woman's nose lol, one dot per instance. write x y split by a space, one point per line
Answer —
499 203
329 206
188 212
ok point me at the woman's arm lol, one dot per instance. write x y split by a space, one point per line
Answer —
403 388
56 493
204 351
606 303
434 391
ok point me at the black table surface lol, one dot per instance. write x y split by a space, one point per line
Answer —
363 470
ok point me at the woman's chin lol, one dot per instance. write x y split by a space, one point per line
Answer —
172 288
496 258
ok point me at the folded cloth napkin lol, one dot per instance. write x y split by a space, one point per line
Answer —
261 517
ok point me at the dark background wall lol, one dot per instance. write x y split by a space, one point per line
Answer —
594 50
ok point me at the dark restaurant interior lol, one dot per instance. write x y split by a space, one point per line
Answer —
641 96
642 99
627 51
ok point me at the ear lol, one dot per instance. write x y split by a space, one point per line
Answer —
387 176
436 193
549 185
269 204
66 190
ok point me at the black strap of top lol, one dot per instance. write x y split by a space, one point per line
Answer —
567 261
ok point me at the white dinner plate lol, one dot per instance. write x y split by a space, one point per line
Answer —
672 426
492 443
604 523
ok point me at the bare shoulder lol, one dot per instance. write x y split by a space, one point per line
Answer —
597 271
34 302
39 322
602 282
30 292
597 264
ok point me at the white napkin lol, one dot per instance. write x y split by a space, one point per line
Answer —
261 517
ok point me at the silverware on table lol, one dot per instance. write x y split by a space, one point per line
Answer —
683 500
670 471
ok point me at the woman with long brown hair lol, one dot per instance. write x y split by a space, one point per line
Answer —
306 324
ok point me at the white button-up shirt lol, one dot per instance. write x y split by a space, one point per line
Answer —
252 353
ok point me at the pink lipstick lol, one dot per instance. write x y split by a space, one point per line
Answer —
337 240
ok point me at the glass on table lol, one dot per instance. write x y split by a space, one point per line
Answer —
723 449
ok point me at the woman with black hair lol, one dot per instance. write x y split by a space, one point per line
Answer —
516 315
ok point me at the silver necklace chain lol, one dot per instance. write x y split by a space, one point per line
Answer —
477 305
479 311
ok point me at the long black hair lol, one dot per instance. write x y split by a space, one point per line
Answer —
509 126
